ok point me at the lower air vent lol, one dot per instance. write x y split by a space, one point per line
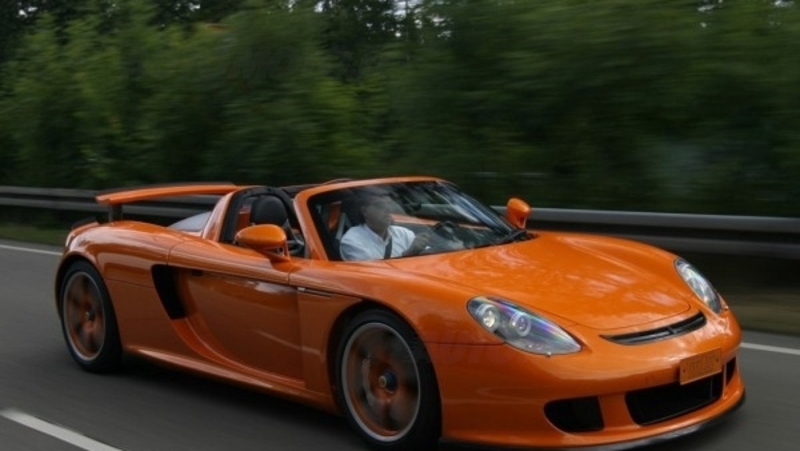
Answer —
575 415
662 333
653 405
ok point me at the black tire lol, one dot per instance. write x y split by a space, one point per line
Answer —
386 385
88 321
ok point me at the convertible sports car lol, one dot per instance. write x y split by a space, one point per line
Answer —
465 327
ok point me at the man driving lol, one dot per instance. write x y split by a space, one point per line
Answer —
375 237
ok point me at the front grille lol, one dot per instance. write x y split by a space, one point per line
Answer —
661 403
662 333
575 415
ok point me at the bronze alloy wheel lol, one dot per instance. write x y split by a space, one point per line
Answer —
87 319
387 384
382 382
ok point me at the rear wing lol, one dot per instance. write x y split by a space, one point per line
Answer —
115 199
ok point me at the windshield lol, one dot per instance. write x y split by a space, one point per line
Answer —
395 220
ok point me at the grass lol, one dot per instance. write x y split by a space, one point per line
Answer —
763 293
29 234
766 311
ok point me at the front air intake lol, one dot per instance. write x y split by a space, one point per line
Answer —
575 415
657 404
662 333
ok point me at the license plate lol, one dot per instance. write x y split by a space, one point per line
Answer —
700 366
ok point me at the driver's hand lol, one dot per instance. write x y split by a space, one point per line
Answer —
419 244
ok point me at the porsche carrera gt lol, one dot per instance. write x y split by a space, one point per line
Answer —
489 332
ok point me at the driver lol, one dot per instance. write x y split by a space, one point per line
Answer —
375 237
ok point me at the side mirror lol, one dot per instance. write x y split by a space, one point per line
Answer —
517 212
267 239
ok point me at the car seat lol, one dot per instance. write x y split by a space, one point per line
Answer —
271 210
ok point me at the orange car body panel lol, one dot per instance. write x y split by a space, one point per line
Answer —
273 325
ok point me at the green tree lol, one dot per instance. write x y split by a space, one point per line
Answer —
612 104
285 118
356 31
73 96
216 10
43 103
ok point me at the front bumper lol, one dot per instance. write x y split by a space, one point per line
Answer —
606 397
649 441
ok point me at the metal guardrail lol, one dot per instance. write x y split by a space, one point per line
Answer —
772 237
83 201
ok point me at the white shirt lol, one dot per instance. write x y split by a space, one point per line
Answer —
361 243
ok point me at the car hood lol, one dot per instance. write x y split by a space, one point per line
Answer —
596 282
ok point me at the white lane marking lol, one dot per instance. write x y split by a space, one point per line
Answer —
73 438
776 349
27 249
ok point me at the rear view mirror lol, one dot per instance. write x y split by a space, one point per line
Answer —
517 212
266 239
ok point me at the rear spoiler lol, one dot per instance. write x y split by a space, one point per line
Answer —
116 198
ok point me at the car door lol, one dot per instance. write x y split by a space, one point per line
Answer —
240 306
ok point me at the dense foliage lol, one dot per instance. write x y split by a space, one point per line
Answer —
612 104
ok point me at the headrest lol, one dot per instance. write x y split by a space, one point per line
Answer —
268 210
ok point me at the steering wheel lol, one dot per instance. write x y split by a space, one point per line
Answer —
446 229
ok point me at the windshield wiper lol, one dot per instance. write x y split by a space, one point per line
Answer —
512 236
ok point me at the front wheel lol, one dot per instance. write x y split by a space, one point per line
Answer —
386 384
87 319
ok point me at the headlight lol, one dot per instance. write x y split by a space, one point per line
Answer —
699 284
521 328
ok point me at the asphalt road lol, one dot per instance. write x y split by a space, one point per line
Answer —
48 403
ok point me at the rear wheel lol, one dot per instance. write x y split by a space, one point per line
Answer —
87 319
386 383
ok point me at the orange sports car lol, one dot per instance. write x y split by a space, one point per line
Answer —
411 309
